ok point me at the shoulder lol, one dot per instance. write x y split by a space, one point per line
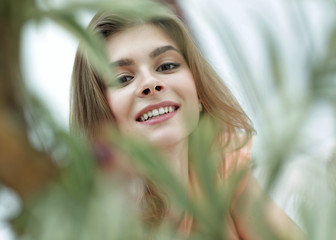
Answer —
235 154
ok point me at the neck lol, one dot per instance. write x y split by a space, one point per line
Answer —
177 159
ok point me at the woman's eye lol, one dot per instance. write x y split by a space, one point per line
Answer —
167 67
123 80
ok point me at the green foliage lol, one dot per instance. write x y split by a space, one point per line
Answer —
82 202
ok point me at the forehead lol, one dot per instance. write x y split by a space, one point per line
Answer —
137 39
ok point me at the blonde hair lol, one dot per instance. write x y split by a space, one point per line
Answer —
89 106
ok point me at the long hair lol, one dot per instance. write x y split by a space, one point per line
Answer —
89 105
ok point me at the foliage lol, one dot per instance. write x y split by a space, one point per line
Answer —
65 195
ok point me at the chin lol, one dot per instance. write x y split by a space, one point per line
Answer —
168 140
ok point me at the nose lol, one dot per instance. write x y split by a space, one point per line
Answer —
151 86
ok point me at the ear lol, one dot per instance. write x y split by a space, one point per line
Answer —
200 107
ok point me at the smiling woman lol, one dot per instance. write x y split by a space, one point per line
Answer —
157 97
162 87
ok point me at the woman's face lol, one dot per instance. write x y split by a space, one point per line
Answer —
155 97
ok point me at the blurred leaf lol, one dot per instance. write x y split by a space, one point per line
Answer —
83 203
90 43
150 162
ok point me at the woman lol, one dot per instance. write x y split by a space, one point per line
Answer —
161 88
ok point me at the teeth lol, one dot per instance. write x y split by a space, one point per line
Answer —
157 112
145 116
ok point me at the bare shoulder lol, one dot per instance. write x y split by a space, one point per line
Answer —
256 215
236 158
236 154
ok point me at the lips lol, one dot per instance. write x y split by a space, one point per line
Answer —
156 110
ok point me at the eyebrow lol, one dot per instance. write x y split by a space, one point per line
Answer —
155 53
162 50
122 62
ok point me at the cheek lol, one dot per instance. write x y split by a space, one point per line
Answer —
193 112
119 106
189 92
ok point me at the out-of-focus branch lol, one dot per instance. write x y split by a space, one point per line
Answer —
22 167
175 6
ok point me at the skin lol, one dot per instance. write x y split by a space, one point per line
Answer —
252 210
146 76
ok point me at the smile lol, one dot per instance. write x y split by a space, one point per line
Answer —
156 113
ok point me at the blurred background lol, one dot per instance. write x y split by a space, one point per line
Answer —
264 50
